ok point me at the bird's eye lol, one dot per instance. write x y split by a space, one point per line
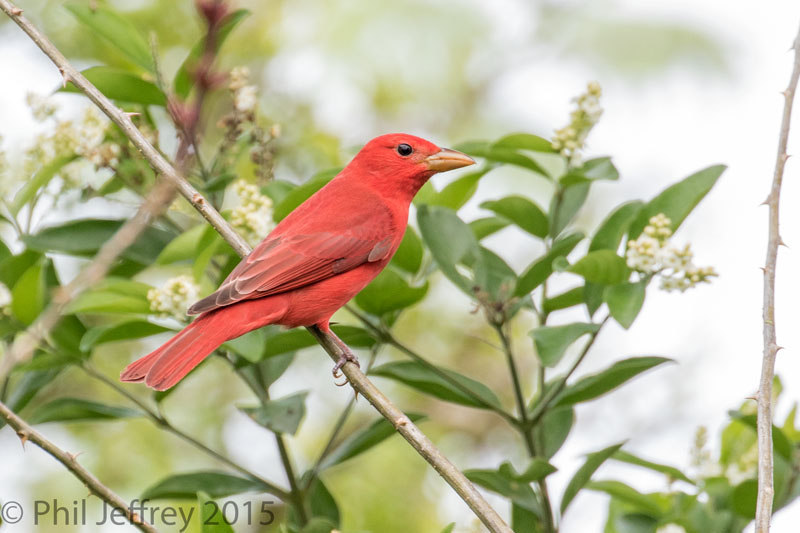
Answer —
404 149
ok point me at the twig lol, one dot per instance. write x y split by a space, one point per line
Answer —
162 422
27 433
25 344
418 440
766 491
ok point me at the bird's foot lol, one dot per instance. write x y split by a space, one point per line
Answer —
346 357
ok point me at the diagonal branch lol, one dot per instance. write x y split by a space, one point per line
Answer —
766 490
25 344
418 440
27 433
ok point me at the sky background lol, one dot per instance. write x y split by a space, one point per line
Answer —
659 127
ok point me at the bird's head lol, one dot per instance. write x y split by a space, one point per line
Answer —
399 164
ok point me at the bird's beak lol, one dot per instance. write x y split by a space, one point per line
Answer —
446 159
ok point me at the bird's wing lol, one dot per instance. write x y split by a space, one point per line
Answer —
285 262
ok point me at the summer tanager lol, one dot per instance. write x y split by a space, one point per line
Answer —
314 261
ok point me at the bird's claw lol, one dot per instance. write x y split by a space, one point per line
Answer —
346 357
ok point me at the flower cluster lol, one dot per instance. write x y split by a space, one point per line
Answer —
174 297
652 253
570 139
253 216
245 96
5 299
41 107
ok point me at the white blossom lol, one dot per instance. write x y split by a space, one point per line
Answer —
671 528
253 216
41 107
245 99
174 297
5 296
570 139
653 253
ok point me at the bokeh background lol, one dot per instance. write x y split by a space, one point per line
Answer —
686 84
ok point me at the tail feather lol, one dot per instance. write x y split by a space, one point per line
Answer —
165 366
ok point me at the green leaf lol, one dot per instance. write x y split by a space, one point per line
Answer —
450 241
300 194
457 193
183 247
624 301
449 528
282 415
39 181
595 385
501 154
116 30
131 329
47 361
670 471
566 204
552 341
656 505
525 520
28 386
493 275
12 268
520 211
73 409
541 269
564 300
29 294
599 168
212 519
409 255
743 498
584 474
678 200
216 484
183 82
426 380
121 86
84 238
389 292
112 296
483 227
780 442
611 231
364 439
554 428
520 493
297 339
322 502
536 470
251 345
5 253
526 141
604 267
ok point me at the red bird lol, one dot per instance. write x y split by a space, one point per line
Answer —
314 261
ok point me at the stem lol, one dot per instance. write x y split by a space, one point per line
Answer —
296 496
159 420
526 429
541 407
386 336
766 491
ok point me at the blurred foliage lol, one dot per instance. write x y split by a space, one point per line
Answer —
382 65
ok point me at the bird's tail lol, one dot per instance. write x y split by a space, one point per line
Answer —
164 367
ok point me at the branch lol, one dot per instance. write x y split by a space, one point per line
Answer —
25 344
27 433
766 491
357 379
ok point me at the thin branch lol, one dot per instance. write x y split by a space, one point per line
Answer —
27 433
162 422
418 440
766 491
25 344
